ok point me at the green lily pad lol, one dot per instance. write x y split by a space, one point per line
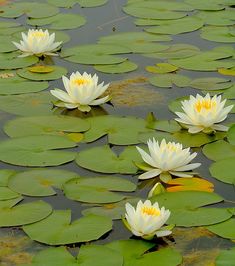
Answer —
29 104
97 189
8 24
120 130
113 210
208 5
56 74
158 135
27 213
5 174
220 18
126 66
211 83
170 126
88 255
6 44
45 125
161 68
104 160
223 170
91 3
57 228
231 134
135 252
62 3
31 9
225 229
17 62
11 31
59 21
218 34
186 199
229 93
176 26
36 151
7 194
219 150
175 51
226 257
39 182
168 80
204 61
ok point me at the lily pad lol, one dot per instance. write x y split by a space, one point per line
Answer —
56 74
219 150
31 9
5 174
168 80
113 210
229 93
45 125
97 189
27 213
41 69
225 229
161 68
176 26
18 62
104 160
6 44
208 5
211 83
62 3
120 130
7 194
218 34
39 182
36 151
88 255
231 134
57 228
92 3
126 66
223 170
59 21
226 257
29 104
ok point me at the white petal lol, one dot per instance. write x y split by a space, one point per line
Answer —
150 174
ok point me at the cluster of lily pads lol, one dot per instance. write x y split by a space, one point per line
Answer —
43 137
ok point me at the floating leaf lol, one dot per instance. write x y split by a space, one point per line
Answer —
135 252
31 9
184 184
212 83
39 182
226 257
4 176
161 68
104 160
126 66
219 150
7 194
208 5
8 24
227 71
49 125
57 73
91 3
229 93
36 151
6 44
28 104
27 213
57 228
41 69
218 34
17 62
225 229
165 125
205 61
97 189
60 21
88 255
62 3
223 170
176 51
176 26
168 80
120 130
231 134
113 210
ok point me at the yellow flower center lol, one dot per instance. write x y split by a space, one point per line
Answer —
170 147
37 34
81 81
207 104
150 211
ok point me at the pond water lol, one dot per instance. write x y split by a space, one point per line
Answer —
200 49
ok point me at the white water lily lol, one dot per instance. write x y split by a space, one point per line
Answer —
37 42
82 90
166 159
203 113
147 220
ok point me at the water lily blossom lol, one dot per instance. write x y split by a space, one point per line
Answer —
203 113
82 91
37 42
147 220
166 159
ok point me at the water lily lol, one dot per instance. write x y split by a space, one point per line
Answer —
157 189
82 91
166 159
203 113
147 220
37 42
